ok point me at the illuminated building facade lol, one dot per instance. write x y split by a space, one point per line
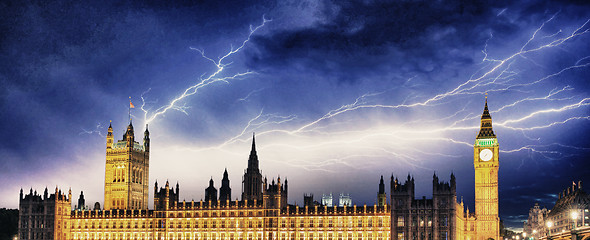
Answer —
442 217
344 200
327 199
44 217
486 164
571 210
263 212
236 220
535 226
423 218
127 171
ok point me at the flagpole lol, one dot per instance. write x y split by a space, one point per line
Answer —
129 109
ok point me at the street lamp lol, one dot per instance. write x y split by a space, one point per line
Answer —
575 218
549 225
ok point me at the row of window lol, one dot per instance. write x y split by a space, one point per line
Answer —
120 172
422 235
421 221
242 236
217 213
240 223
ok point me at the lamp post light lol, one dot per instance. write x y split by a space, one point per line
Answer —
549 225
575 219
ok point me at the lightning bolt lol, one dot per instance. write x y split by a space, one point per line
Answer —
500 76
249 95
212 78
261 120
96 130
325 144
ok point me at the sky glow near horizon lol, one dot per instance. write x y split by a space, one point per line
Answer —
337 93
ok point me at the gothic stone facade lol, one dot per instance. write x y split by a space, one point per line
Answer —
423 218
263 212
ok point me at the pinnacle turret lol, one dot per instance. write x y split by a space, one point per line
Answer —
211 192
225 190
110 136
129 131
381 186
146 133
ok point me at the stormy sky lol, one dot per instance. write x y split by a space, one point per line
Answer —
338 93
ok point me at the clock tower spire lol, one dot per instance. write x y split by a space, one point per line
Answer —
486 164
486 130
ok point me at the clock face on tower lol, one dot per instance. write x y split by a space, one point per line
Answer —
486 154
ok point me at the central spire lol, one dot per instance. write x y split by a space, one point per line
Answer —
253 144
253 159
252 181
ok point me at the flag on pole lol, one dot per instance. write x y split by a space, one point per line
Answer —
130 103
130 107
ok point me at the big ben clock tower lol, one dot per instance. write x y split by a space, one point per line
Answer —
485 162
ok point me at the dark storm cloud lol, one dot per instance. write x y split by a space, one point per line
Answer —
355 39
358 37
66 66
56 54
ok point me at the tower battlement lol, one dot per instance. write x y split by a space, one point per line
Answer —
423 218
127 171
43 217
402 189
263 211
441 187
166 197
275 194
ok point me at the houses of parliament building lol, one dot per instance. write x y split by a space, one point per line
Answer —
263 212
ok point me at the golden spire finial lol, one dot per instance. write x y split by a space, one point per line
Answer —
486 95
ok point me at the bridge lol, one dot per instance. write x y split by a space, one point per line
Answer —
580 233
